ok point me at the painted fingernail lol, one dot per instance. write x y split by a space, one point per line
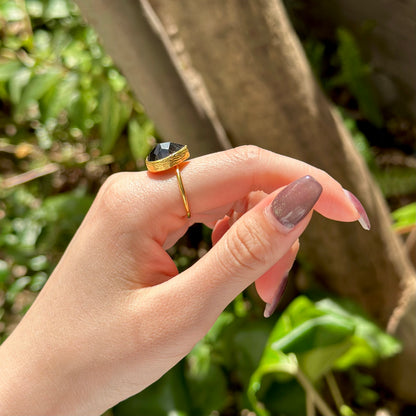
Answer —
271 307
295 201
363 220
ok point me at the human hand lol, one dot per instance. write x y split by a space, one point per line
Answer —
115 314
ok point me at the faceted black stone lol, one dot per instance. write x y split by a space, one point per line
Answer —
163 150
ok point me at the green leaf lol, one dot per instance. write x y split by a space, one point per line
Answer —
4 270
315 333
140 139
27 231
60 97
282 366
316 337
11 12
61 215
207 383
16 287
8 69
35 89
56 9
60 41
318 361
38 281
355 73
17 83
396 180
285 398
166 397
38 263
114 112
360 141
318 342
35 8
248 346
42 43
404 217
80 111
369 343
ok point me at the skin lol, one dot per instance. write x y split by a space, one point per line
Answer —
115 315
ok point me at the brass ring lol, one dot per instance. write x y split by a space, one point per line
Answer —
166 156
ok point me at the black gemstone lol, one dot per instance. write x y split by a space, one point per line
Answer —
163 150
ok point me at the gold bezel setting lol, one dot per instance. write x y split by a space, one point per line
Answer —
168 162
166 156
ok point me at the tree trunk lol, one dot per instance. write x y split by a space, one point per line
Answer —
264 93
134 38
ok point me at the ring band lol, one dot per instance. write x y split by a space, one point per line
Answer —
166 156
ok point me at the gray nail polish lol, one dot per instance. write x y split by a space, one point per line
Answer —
295 201
271 307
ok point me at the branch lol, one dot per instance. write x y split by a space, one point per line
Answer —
29 176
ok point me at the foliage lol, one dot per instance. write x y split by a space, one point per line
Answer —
355 75
405 217
58 82
64 108
309 340
394 179
346 77
244 358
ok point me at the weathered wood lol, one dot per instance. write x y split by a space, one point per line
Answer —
133 36
264 93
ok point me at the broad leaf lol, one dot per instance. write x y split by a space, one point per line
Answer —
140 139
56 9
281 366
8 68
17 83
315 338
355 73
114 112
37 87
405 216
60 97
369 343
207 383
166 397
315 333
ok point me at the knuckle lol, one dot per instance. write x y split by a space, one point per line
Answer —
249 153
250 156
114 193
248 246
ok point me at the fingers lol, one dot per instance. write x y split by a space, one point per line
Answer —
223 225
269 283
270 286
220 228
249 249
216 181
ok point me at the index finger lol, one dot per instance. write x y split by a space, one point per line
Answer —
217 180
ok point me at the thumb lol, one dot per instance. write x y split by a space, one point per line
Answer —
254 243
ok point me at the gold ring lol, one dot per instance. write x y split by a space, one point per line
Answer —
166 156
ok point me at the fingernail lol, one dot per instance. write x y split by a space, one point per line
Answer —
363 220
271 307
296 201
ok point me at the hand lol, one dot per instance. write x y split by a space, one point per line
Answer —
115 314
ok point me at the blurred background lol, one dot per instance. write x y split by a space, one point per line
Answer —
69 119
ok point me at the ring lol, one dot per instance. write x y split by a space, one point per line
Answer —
166 156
